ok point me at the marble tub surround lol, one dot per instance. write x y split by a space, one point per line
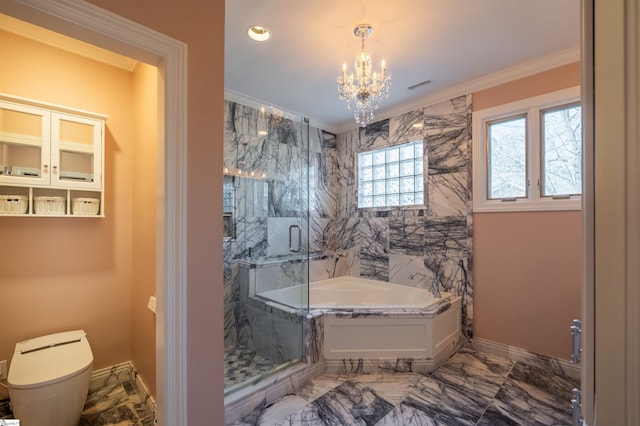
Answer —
418 339
351 366
410 246
472 388
272 330
415 245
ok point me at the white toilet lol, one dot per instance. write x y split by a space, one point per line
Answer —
49 379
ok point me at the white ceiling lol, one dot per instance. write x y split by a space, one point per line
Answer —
461 45
451 42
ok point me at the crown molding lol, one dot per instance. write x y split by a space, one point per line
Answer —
545 63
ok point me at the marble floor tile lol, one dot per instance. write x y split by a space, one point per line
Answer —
535 397
116 398
493 417
445 404
5 410
405 415
242 364
351 403
272 414
471 388
479 373
320 386
392 387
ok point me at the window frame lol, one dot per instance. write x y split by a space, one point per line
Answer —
526 153
425 167
532 108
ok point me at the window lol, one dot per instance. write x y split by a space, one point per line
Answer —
391 177
507 147
562 151
527 155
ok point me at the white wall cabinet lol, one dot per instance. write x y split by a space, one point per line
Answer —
51 158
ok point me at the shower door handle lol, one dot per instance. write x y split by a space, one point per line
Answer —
291 248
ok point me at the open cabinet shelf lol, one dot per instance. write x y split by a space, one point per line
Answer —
51 160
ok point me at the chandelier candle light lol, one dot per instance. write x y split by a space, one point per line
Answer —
364 91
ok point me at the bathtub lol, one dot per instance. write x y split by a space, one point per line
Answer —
368 322
352 293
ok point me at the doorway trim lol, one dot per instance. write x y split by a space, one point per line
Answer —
89 23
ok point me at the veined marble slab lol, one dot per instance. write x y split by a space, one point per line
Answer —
472 388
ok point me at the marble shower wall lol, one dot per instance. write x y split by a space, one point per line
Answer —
405 246
410 246
271 194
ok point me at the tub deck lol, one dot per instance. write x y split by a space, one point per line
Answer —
367 320
354 293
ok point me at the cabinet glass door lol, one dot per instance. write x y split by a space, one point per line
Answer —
24 145
75 154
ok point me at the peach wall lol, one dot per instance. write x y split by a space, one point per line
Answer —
143 321
200 24
527 279
548 81
527 266
66 273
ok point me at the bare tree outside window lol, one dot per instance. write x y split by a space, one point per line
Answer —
507 158
527 154
562 151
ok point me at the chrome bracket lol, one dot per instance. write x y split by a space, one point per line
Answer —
576 344
576 403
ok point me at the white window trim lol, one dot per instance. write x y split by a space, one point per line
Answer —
531 107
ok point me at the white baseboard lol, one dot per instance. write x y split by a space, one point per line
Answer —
556 365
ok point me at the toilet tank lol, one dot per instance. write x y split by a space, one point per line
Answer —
47 359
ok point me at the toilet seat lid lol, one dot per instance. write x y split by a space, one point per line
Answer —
49 358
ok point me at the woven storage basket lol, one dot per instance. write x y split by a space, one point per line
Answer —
85 206
49 205
14 204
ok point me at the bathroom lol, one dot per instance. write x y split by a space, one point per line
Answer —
114 319
442 235
91 274
495 257
200 353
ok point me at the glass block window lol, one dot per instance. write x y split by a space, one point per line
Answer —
391 177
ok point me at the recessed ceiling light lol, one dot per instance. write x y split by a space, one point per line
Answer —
258 33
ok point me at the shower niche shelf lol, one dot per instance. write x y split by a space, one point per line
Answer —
51 160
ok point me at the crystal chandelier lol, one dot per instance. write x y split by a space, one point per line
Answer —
364 91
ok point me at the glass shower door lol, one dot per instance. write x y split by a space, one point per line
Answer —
285 280
266 160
